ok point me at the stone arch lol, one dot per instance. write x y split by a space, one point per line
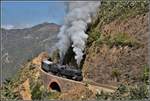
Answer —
54 86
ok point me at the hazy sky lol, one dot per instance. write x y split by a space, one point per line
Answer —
25 14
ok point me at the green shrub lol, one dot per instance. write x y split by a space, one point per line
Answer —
116 73
122 89
139 92
126 92
145 74
119 39
123 39
36 92
7 90
39 92
93 35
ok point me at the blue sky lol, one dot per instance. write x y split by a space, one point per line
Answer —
25 14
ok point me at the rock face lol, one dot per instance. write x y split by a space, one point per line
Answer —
21 45
25 92
119 64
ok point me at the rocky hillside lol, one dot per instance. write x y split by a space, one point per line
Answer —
20 45
120 54
117 48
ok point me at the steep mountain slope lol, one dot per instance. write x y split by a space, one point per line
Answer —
121 53
20 45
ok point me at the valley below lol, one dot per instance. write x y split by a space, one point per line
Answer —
20 45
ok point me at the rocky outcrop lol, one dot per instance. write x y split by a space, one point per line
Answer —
25 91
38 60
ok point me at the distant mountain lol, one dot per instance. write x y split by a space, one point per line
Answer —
20 45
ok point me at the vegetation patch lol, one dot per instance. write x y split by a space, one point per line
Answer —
119 39
8 92
93 35
120 9
39 92
116 73
126 92
146 74
111 10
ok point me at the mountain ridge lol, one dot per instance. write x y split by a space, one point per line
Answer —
33 26
16 43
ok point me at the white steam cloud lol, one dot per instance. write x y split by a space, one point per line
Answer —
72 33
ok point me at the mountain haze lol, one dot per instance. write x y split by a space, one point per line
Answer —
20 45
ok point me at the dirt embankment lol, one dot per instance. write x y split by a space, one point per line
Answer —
119 64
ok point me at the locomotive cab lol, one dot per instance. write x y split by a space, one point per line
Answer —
46 65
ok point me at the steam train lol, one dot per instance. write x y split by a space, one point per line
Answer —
62 70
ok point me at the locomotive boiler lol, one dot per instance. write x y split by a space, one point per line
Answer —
62 70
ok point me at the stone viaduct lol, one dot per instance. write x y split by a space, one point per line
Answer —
53 82
62 84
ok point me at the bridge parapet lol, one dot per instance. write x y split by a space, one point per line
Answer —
62 83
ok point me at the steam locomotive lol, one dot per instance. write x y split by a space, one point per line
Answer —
62 70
